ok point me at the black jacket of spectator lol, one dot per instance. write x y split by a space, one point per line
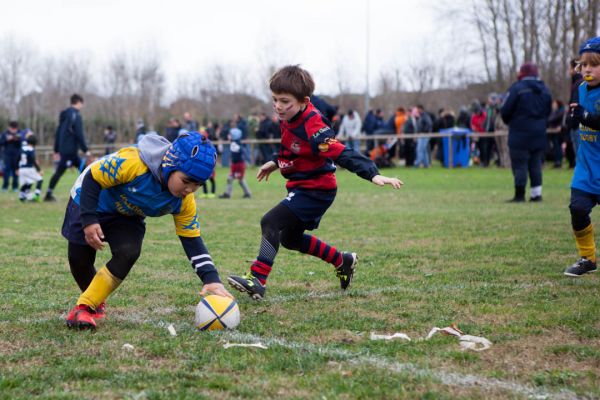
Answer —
11 142
263 129
69 134
445 121
526 111
326 109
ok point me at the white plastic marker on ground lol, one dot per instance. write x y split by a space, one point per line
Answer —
172 330
397 335
257 345
467 342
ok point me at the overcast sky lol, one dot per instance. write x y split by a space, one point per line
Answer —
328 37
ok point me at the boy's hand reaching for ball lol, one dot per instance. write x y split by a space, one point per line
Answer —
215 288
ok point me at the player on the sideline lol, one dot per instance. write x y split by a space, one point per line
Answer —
109 202
585 186
306 159
29 170
237 169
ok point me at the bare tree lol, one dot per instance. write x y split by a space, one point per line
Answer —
15 71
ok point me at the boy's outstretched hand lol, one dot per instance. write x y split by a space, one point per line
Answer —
266 170
381 180
215 288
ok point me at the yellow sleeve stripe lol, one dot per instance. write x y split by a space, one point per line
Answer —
186 222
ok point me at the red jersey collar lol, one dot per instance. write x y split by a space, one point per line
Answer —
301 115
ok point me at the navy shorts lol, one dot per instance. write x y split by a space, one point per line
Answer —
309 205
72 229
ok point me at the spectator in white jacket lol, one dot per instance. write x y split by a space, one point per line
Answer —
350 130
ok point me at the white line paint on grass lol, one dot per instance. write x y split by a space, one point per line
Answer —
354 292
447 378
355 358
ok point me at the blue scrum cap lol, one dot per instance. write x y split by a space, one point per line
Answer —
591 46
192 154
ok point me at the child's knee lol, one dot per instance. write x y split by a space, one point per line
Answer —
291 240
580 217
267 223
126 255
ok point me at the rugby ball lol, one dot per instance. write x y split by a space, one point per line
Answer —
217 313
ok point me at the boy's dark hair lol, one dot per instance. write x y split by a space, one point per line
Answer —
76 99
293 80
109 127
13 124
350 112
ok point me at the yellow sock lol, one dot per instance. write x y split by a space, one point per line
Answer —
103 284
585 243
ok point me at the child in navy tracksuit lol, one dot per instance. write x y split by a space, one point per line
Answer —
306 159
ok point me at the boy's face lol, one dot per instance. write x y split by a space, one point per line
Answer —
590 72
286 105
180 185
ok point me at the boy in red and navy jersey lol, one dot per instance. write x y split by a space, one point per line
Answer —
306 159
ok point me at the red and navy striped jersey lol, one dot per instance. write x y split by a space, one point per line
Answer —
308 150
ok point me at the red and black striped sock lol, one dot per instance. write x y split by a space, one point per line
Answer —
261 270
316 247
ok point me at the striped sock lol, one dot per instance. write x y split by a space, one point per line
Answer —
261 267
261 271
316 247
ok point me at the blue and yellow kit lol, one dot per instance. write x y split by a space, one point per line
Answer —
587 169
128 185
129 188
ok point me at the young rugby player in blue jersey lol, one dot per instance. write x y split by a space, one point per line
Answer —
306 159
109 202
585 186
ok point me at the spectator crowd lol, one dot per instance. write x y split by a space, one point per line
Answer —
378 136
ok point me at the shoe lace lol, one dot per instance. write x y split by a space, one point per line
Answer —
248 276
341 274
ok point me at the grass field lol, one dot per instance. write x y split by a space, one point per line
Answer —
444 249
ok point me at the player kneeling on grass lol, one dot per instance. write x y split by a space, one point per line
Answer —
585 187
109 202
306 159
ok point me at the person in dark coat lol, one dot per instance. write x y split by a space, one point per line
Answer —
67 142
266 149
324 107
173 129
526 110
11 142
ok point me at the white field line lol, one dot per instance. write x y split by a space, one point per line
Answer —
446 378
357 292
356 358
316 295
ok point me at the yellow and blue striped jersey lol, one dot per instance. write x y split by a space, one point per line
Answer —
129 188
